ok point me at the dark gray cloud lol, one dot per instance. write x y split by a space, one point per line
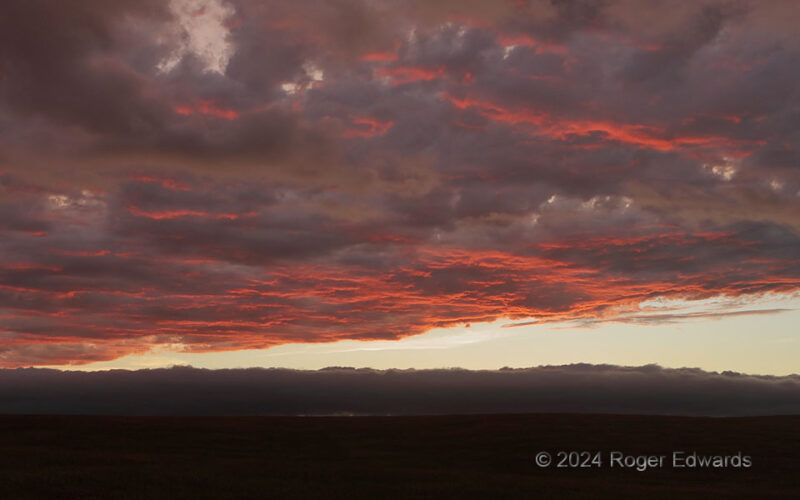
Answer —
58 62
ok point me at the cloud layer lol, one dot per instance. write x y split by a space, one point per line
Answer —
347 391
211 175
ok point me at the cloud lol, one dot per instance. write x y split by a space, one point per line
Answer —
572 388
202 33
224 175
665 318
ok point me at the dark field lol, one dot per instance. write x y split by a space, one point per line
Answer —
387 457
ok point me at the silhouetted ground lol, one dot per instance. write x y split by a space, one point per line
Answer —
54 457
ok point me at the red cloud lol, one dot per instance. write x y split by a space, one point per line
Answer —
194 303
205 107
367 127
408 74
380 56
172 214
648 136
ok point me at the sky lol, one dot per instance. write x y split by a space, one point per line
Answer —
392 183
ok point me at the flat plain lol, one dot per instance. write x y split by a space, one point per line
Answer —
463 456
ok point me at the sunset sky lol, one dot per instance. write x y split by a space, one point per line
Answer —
389 183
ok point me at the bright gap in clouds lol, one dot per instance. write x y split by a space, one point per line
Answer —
202 33
719 334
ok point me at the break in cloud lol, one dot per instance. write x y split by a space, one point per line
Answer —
212 175
347 391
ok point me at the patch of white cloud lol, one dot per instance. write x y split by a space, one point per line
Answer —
725 170
312 75
202 33
290 88
776 185
595 203
313 72
86 199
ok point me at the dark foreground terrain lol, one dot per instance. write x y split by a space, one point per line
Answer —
493 456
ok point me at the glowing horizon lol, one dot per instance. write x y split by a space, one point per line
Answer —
718 340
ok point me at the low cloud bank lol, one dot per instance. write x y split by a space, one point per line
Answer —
346 391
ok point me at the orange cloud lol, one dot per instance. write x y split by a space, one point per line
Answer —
367 127
173 214
205 107
648 136
408 74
